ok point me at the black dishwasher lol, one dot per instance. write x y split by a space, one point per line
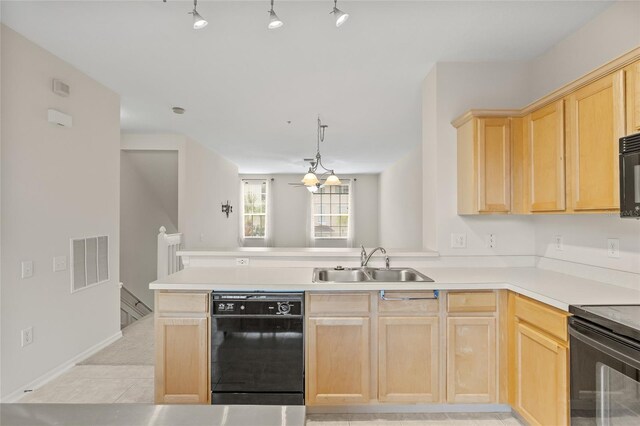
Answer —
257 348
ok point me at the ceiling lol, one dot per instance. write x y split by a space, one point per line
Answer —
241 84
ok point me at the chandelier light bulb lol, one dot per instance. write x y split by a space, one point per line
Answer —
310 179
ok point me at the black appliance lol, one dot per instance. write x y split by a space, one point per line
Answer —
605 365
630 176
257 348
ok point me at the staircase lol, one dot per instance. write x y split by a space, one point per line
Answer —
131 308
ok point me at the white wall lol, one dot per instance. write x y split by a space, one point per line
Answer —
290 209
142 213
457 87
400 199
57 183
452 88
205 180
609 35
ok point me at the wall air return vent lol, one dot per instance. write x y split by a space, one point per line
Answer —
89 262
61 88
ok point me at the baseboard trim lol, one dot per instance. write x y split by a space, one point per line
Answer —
410 408
60 369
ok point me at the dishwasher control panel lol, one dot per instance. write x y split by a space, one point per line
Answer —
261 304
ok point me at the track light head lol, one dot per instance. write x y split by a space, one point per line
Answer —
274 21
198 21
341 17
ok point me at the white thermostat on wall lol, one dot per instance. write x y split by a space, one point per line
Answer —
59 118
61 88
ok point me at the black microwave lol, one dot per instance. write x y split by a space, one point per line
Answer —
630 176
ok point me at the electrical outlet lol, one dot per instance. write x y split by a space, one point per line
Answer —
491 240
458 240
26 336
242 261
557 241
27 268
59 263
613 247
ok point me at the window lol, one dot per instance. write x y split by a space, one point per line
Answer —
254 195
331 212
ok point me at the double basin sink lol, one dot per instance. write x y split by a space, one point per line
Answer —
366 274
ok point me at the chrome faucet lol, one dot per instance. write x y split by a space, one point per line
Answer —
364 259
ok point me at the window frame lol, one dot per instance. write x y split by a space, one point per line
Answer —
314 214
266 209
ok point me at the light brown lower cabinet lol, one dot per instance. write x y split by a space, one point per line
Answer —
408 359
182 361
471 359
541 377
339 368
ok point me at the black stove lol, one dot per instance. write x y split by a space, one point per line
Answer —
623 320
605 364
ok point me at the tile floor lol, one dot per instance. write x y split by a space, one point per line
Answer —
98 384
134 384
414 419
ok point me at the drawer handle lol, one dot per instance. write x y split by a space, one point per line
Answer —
383 297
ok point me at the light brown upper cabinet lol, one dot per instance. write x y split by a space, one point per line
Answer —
484 166
632 76
595 122
545 158
556 155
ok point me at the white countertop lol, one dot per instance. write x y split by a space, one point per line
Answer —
299 252
553 288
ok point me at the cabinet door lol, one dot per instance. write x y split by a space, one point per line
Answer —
339 368
541 378
494 165
408 359
546 177
471 359
182 361
595 123
632 83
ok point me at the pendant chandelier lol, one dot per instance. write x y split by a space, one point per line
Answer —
311 180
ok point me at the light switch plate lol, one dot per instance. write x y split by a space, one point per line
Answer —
27 268
458 240
59 263
491 240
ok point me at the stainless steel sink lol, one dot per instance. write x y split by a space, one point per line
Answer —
352 275
347 275
398 275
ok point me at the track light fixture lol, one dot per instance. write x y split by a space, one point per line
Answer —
274 21
341 17
198 21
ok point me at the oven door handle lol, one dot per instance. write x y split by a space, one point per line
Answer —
624 354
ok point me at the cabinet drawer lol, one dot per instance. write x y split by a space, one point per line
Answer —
340 303
182 302
481 301
416 302
543 317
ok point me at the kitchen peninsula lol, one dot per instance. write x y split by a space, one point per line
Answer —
474 337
